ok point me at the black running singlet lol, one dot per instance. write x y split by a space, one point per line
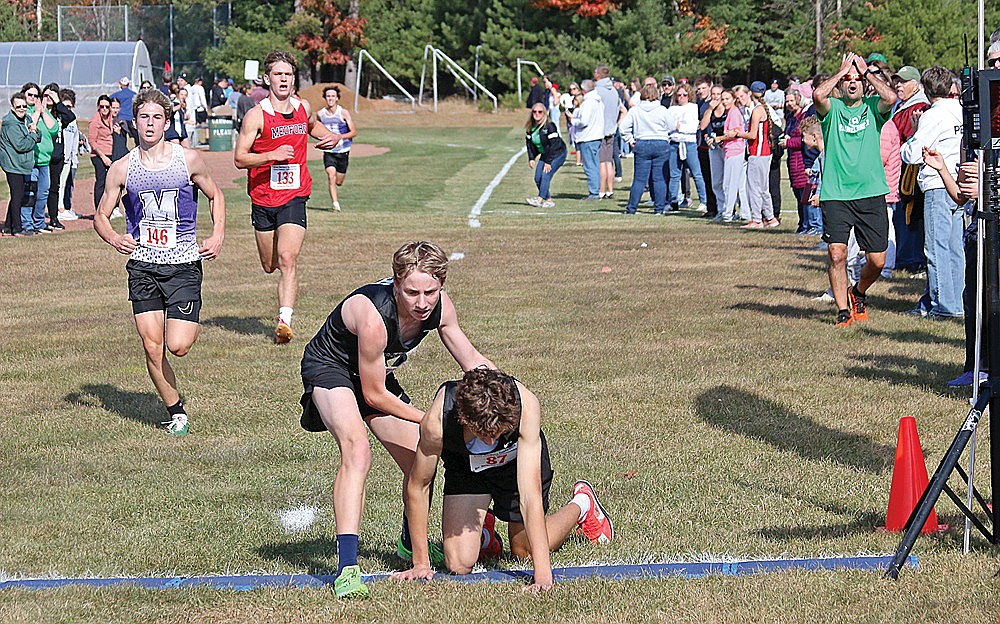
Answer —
334 344
458 458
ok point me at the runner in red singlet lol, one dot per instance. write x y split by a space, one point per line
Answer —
272 147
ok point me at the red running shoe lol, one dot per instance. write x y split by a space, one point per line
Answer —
495 548
596 525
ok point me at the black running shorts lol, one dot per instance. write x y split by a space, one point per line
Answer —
320 375
499 483
266 219
338 161
175 288
869 218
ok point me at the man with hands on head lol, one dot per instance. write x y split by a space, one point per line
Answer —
158 184
853 187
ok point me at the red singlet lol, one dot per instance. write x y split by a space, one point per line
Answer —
278 183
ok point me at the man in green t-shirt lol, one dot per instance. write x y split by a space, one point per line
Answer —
853 189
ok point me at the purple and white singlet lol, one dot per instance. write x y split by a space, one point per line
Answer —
161 210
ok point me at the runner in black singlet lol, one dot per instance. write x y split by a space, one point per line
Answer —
487 430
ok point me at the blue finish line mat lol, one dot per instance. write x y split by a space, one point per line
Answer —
610 572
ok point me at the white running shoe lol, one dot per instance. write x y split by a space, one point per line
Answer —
336 206
533 201
116 214
548 203
67 215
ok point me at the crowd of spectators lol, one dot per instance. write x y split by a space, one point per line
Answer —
41 141
726 144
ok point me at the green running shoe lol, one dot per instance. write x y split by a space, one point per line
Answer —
177 425
436 555
349 585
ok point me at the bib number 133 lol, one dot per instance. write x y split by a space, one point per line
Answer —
285 176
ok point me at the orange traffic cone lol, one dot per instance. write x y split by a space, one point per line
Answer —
909 479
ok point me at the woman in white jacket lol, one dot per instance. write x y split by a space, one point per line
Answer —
646 127
684 146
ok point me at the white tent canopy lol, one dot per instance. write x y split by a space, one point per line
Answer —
88 67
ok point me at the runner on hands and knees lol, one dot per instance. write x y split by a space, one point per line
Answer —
486 428
272 147
337 120
347 373
158 184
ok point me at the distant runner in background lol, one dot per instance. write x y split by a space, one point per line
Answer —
338 121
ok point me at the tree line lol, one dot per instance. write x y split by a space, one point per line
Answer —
734 40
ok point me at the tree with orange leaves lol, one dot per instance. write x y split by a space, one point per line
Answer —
324 34
583 8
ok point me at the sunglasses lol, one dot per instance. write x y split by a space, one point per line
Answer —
19 106
537 112
853 77
682 94
31 95
104 106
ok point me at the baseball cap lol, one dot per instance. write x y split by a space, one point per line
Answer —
668 78
876 56
124 80
758 87
908 72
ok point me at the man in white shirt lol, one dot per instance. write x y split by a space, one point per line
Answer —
197 105
775 97
940 130
589 123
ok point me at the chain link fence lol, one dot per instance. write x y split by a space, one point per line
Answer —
172 34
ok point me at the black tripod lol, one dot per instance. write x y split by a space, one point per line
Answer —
989 214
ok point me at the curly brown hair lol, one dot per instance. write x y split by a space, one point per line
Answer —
488 402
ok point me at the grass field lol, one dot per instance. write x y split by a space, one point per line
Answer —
698 362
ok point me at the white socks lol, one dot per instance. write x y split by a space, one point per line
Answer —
285 314
584 503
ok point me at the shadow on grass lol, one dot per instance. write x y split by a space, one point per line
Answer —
897 369
782 310
799 292
318 555
246 325
142 407
737 411
913 335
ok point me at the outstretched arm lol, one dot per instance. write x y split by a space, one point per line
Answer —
418 491
529 487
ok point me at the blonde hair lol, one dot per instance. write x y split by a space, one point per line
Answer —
420 256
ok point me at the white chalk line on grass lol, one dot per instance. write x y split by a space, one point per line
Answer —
488 191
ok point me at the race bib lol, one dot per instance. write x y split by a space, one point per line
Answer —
157 234
285 176
495 459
